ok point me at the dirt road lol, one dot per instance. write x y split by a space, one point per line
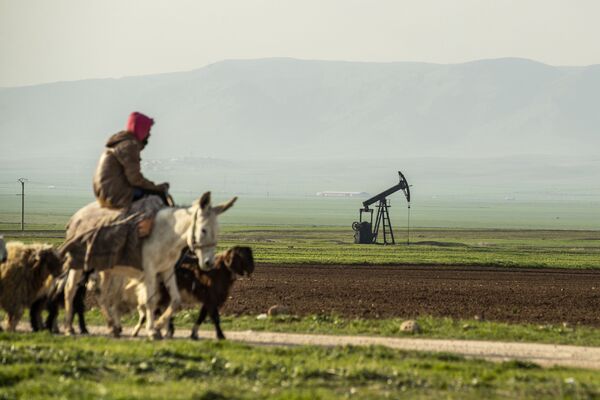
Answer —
501 294
545 355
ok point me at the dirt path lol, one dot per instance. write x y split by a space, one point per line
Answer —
546 355
542 354
501 294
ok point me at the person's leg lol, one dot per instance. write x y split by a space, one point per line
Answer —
138 193
144 226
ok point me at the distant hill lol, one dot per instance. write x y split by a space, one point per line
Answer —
260 109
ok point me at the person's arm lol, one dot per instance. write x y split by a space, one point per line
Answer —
128 154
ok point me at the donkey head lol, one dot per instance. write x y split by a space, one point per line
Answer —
202 236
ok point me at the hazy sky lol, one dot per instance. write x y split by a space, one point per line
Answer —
53 40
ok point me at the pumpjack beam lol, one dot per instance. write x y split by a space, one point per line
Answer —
402 185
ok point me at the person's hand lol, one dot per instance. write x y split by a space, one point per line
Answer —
144 227
164 187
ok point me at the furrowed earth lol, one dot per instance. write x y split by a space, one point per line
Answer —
498 294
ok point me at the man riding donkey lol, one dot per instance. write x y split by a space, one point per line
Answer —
118 181
110 232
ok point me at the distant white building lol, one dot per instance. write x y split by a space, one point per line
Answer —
342 194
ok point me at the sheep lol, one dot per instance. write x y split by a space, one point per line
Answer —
208 287
25 276
3 253
53 299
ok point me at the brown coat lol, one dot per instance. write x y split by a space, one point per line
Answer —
119 172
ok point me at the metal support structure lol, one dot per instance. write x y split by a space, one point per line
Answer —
22 181
367 233
383 221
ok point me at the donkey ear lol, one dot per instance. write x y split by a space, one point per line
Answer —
221 208
204 201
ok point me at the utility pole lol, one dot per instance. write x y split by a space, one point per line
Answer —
22 181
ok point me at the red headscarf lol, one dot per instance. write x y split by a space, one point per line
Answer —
139 125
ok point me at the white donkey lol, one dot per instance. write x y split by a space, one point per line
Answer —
174 228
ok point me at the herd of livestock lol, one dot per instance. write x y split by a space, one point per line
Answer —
36 277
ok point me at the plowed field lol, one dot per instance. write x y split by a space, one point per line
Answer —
500 294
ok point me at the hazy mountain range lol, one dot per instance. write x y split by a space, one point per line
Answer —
494 129
287 108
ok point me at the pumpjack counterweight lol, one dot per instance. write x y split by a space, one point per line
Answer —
367 233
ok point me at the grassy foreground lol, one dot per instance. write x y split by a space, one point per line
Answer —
331 245
41 366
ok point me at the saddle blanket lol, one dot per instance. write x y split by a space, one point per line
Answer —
100 238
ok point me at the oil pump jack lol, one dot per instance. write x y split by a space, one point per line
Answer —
366 232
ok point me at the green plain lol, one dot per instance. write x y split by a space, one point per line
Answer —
462 247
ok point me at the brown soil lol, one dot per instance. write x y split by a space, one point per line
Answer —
500 294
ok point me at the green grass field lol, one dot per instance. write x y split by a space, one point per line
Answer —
318 230
560 249
52 210
334 245
41 366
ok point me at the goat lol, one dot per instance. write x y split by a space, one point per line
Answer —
53 300
25 276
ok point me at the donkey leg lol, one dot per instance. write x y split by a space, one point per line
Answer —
171 284
70 290
110 304
150 294
141 320
103 298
